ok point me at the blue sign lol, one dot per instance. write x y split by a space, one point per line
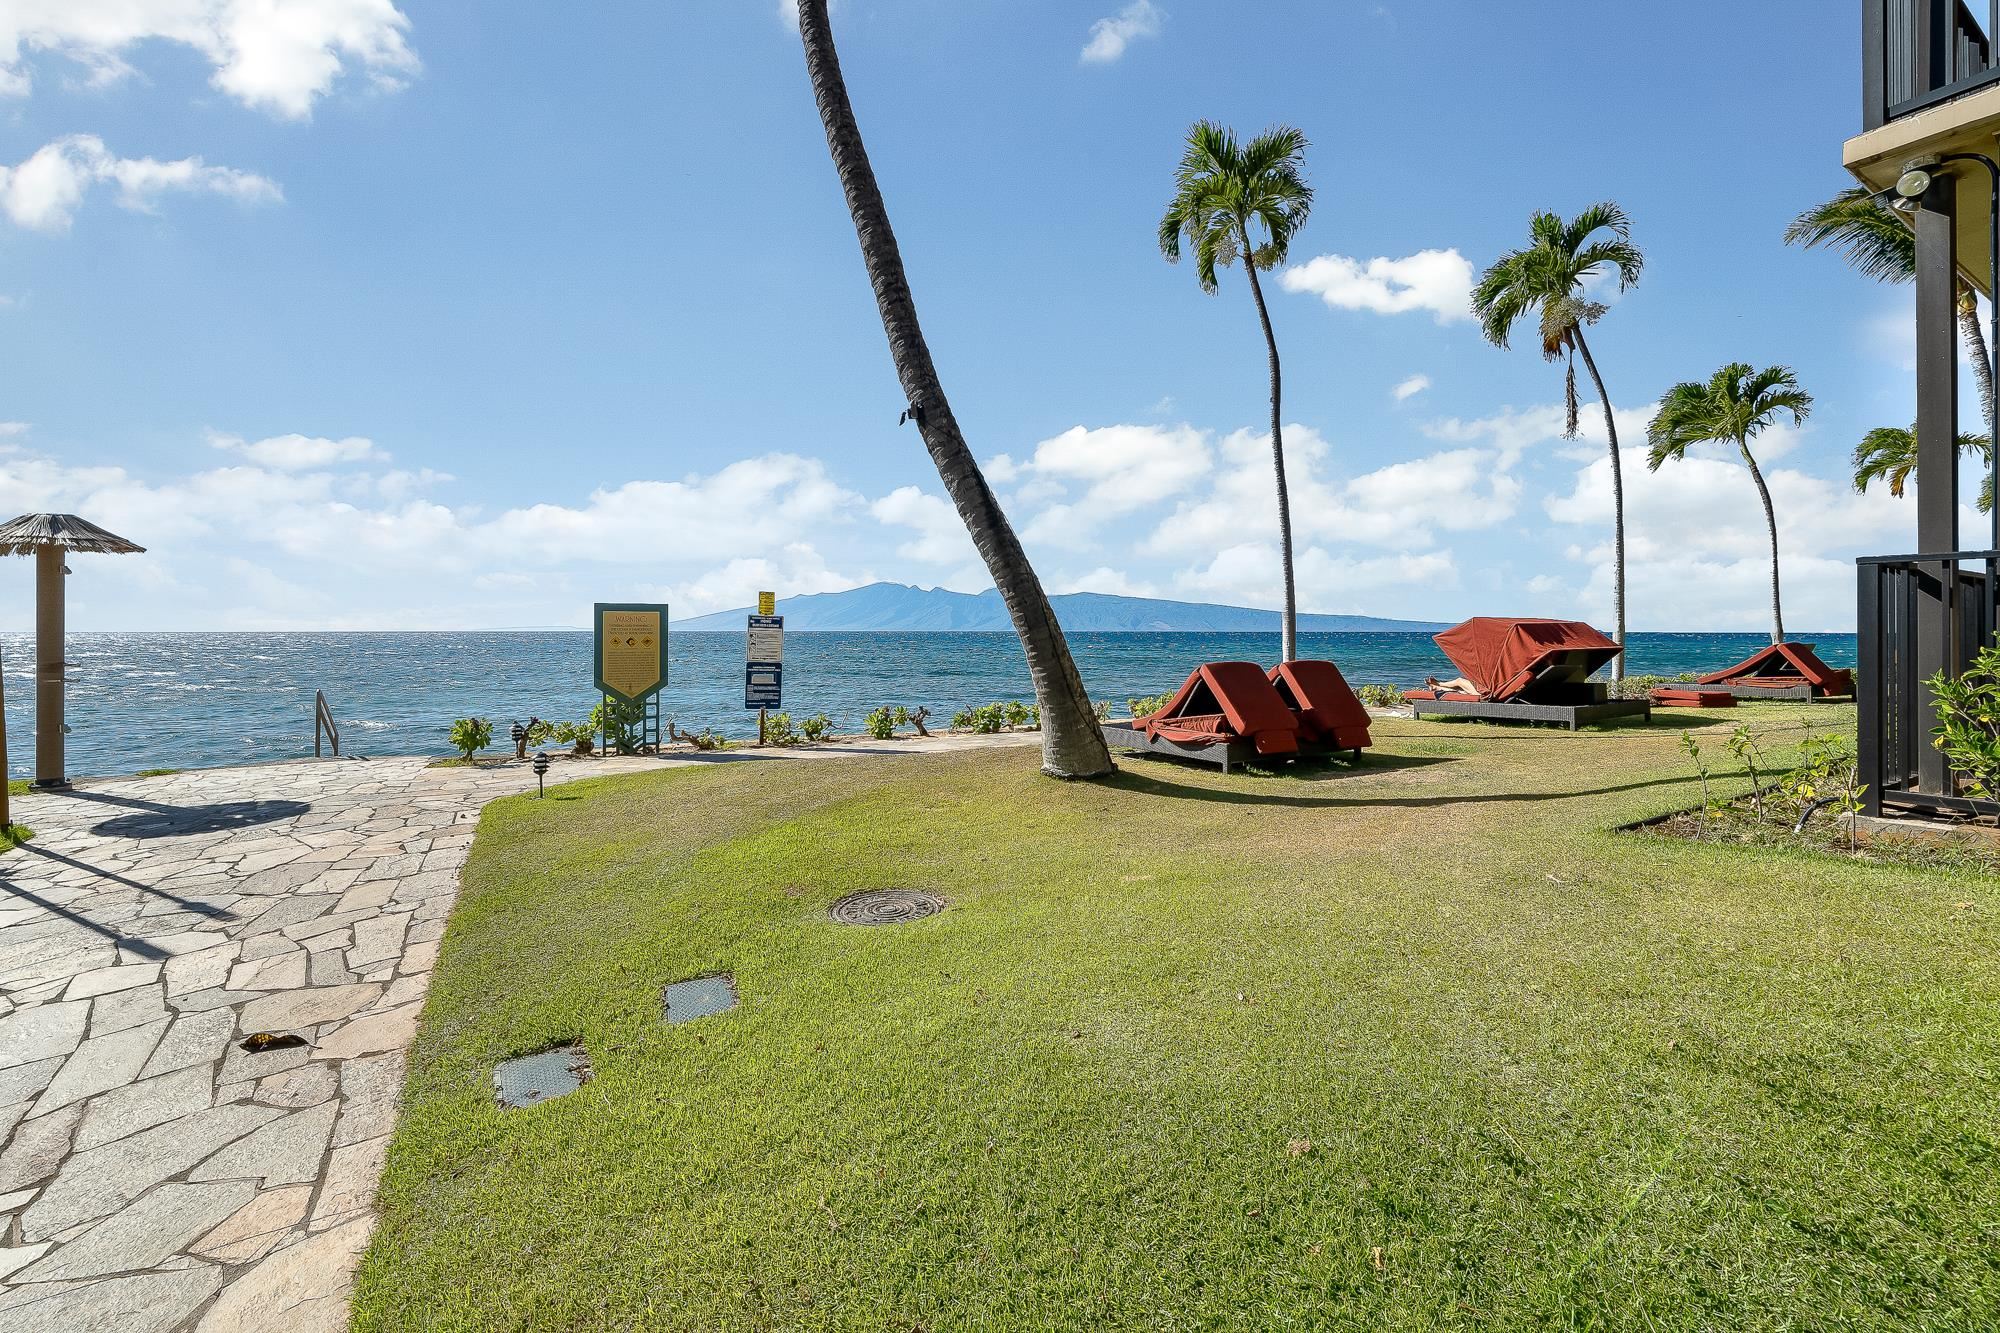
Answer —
764 663
763 684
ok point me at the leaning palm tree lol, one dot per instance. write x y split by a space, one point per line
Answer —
1889 453
1736 404
1546 278
1072 742
1226 196
1878 245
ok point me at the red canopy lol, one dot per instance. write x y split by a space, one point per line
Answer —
1504 657
1786 663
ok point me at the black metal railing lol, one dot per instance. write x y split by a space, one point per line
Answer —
323 724
1917 53
1918 615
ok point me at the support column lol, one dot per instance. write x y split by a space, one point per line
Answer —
1937 448
49 635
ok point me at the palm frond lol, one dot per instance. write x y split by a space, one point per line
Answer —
1872 239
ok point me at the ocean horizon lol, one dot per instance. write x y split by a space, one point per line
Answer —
205 699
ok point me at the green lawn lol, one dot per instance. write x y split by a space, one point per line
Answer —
1423 1045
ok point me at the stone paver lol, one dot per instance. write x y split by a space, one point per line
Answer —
155 1177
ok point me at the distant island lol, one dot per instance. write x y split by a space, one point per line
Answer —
898 606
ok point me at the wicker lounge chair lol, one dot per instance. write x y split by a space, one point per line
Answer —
1671 696
1224 713
1784 671
1331 718
1528 671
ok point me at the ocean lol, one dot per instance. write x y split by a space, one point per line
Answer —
139 701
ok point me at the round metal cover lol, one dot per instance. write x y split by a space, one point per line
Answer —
886 907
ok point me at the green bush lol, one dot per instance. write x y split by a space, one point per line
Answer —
621 722
1968 716
881 723
779 729
984 720
816 728
469 735
1019 714
1147 704
1638 687
1380 696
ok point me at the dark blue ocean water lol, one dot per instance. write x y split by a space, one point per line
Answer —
194 700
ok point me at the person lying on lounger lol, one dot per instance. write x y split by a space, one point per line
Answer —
1456 685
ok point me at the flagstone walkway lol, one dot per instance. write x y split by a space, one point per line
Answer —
159 1175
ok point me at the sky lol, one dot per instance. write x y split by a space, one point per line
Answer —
392 314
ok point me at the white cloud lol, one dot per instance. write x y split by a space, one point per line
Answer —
1439 281
1105 579
295 453
1110 36
44 192
278 56
1411 387
941 536
1249 574
1698 551
1514 430
1120 469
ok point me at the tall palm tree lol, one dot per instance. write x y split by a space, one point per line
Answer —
1226 196
1889 453
1877 244
1072 741
1736 404
1546 279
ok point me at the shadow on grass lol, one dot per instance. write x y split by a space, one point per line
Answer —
1160 783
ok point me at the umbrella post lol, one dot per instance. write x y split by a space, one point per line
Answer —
50 631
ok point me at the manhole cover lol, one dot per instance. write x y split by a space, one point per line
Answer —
536 1078
886 907
686 1001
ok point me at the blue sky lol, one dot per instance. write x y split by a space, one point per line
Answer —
416 315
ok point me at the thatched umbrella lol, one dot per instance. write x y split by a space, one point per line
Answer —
47 537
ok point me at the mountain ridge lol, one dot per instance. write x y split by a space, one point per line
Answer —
909 609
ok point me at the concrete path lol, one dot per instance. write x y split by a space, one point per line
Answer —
158 1175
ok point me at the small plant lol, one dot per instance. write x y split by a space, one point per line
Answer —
984 720
1101 708
816 728
1968 729
579 736
1019 714
470 735
1149 704
1829 774
540 733
1380 696
881 724
1638 687
1693 749
621 723
1742 743
779 729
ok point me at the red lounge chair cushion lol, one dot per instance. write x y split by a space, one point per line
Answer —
1449 696
1505 656
1667 697
1327 709
1248 708
1783 665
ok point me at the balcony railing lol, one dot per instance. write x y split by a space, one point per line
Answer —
1918 614
1917 53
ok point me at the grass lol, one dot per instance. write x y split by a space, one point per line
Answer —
17 786
13 835
156 772
1420 1046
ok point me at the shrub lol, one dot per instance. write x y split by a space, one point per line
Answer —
1380 696
620 722
1638 687
984 720
1019 714
1151 703
816 728
1829 774
881 723
779 729
1101 708
1968 715
469 735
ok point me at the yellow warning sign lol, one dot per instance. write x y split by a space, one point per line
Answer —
767 604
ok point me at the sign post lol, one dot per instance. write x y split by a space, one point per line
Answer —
630 659
764 661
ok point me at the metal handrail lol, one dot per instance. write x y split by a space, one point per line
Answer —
323 724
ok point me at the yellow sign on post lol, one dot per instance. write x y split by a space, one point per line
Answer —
631 649
767 604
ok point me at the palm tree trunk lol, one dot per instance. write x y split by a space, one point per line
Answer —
1617 507
1072 741
1289 626
1771 520
1975 345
